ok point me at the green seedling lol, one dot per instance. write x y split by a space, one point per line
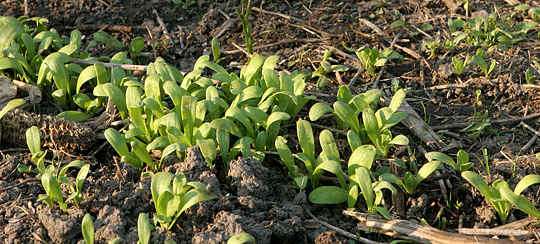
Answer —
186 5
477 60
144 229
173 195
377 125
431 47
346 110
461 165
242 238
360 183
373 58
501 196
328 159
529 77
485 162
327 68
51 180
288 160
410 182
243 14
460 65
87 228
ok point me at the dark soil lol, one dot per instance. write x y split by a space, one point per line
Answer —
258 198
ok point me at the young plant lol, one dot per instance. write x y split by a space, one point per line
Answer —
328 159
346 110
501 196
459 65
485 162
327 68
172 200
529 77
87 228
377 125
373 58
477 60
244 18
461 165
359 166
288 160
410 182
51 180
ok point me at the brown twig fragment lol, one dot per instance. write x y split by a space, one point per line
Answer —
417 233
340 231
277 14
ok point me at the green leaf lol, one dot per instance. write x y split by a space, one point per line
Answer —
328 195
426 171
143 228
107 39
11 105
521 202
527 181
371 125
285 154
354 140
33 139
117 141
346 114
275 117
399 140
160 183
478 182
442 157
318 110
242 238
10 29
115 94
328 145
397 23
307 142
87 228
397 100
208 149
362 156
76 116
194 196
365 185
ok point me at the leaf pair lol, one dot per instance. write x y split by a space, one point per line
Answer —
500 194
172 195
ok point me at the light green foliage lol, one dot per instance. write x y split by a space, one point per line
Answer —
376 125
51 180
497 31
144 229
501 196
529 77
328 159
327 68
172 195
243 14
410 182
460 65
87 228
461 165
373 58
478 60
242 238
359 166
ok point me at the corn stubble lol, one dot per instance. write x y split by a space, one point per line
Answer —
55 133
